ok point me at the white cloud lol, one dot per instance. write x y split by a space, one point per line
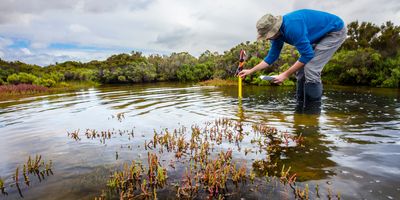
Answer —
26 51
4 42
38 45
44 57
156 26
76 28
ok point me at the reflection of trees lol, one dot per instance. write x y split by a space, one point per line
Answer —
363 107
259 94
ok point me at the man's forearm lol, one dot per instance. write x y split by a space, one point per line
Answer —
259 66
296 66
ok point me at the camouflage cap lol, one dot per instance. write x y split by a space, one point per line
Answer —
268 25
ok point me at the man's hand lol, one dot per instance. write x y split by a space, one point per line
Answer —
283 76
258 67
280 78
245 72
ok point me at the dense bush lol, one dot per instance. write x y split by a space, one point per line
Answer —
132 72
389 74
45 82
198 72
21 78
358 67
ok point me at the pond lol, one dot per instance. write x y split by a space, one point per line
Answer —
351 150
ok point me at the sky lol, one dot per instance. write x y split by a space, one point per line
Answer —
43 32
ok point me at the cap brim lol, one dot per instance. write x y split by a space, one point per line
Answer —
260 37
271 34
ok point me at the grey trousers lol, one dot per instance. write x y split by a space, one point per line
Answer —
323 51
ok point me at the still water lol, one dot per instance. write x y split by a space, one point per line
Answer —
352 147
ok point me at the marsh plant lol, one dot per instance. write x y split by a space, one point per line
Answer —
204 162
34 167
103 136
2 188
209 160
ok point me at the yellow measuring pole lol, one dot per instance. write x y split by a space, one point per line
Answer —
239 87
241 64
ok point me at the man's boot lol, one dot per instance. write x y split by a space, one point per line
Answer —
312 98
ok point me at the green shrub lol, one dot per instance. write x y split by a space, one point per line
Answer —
394 79
27 78
63 84
358 67
196 72
219 74
122 78
45 82
21 78
13 79
57 77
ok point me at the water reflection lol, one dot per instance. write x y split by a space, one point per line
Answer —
355 135
240 115
312 162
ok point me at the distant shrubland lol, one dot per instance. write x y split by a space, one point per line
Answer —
370 56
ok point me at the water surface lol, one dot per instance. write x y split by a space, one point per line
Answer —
353 146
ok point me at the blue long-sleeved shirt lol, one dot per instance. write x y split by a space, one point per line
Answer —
302 28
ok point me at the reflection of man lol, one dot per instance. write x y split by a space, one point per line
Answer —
315 34
311 163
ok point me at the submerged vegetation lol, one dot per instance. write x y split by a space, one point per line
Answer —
206 162
369 56
2 186
36 167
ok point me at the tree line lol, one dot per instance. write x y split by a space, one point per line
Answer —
370 56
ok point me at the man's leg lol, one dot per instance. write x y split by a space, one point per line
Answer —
323 52
300 90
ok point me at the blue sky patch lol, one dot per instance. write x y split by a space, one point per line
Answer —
19 43
67 46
